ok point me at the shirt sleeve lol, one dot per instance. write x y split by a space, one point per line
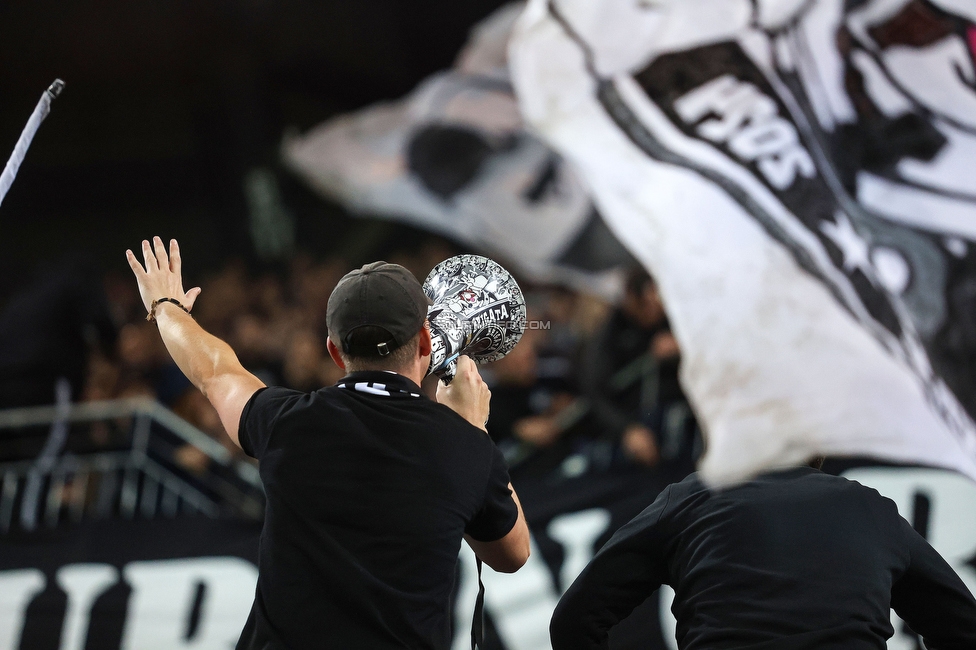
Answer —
498 512
629 567
259 417
932 599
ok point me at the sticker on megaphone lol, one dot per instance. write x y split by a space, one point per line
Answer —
477 309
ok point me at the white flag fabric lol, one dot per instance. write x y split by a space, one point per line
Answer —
453 157
800 177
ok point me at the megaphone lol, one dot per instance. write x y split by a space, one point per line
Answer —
477 309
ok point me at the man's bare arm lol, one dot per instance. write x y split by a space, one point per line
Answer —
209 363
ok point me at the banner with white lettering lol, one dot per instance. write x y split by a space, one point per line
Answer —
188 583
170 584
799 177
453 157
164 584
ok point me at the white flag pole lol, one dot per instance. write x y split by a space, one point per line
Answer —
20 149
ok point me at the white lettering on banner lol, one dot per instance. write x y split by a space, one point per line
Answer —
951 525
577 532
900 641
669 624
17 589
522 603
164 593
750 125
163 596
83 583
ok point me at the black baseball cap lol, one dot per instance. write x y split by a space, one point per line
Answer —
376 309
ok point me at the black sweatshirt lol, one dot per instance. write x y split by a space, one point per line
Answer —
793 559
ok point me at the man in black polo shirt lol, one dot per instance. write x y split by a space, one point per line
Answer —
370 485
794 559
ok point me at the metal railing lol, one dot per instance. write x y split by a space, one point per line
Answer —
119 458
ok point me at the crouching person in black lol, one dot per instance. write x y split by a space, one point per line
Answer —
370 485
793 559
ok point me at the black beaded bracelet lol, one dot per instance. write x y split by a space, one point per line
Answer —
151 316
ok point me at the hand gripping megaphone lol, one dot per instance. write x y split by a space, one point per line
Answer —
477 309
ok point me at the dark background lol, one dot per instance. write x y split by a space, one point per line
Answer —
168 104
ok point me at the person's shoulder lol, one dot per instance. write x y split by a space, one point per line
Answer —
826 481
847 493
852 488
454 436
690 492
678 502
688 486
453 423
687 493
281 401
808 480
277 394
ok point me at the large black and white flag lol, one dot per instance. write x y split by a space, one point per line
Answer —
453 157
800 176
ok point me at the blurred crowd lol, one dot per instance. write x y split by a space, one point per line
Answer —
591 387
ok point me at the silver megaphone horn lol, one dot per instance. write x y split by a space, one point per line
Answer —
477 309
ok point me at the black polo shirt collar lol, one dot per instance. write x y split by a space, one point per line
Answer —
380 383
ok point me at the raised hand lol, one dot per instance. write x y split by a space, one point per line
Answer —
467 394
162 275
